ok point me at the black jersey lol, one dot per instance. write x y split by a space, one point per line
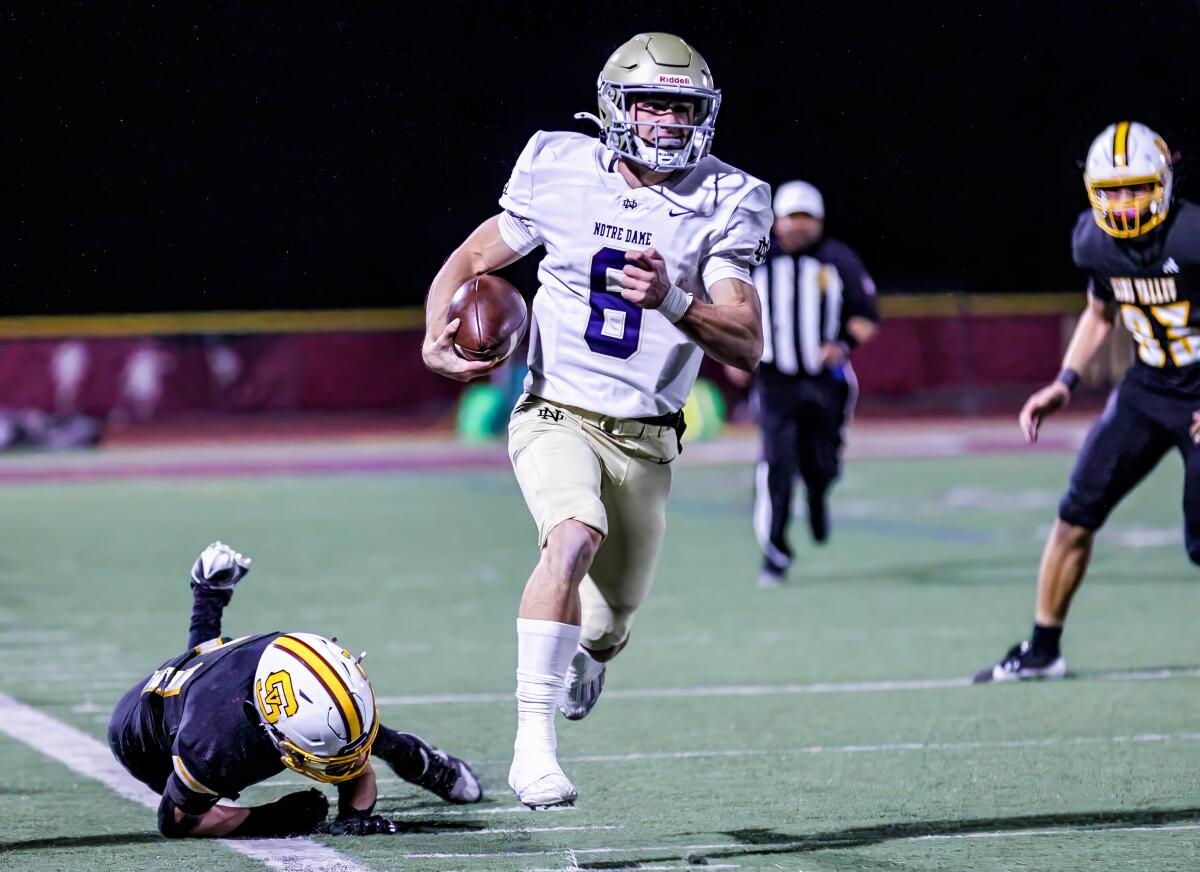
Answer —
194 710
1155 279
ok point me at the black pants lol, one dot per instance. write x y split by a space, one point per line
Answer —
802 418
1138 427
137 740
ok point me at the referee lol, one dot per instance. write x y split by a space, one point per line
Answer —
818 304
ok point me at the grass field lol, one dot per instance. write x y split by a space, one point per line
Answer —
820 726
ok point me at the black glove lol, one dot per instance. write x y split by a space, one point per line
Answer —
296 814
361 823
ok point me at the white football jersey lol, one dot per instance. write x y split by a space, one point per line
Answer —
588 346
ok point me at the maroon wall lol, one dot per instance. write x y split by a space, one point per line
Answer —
161 375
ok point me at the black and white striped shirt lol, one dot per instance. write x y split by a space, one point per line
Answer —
807 300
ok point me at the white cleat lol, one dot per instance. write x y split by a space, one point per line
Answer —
539 782
585 681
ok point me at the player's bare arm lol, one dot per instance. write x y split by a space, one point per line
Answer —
220 820
296 813
484 251
1094 325
356 804
1194 430
729 329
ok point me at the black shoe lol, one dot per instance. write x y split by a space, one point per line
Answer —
446 776
1021 663
818 517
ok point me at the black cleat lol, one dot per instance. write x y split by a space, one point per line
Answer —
1022 663
443 775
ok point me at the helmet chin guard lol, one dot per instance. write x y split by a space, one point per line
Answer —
656 64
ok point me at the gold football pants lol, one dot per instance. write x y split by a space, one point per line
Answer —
612 474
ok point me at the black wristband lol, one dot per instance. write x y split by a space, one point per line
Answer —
1069 378
850 341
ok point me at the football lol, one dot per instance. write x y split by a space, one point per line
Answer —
492 318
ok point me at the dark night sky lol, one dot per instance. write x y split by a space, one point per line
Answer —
183 156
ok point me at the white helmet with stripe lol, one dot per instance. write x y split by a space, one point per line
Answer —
1129 155
317 706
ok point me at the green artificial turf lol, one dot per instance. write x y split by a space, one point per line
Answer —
731 757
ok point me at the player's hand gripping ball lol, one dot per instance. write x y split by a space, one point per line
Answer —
492 319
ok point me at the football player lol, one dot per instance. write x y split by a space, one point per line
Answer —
228 713
649 243
1141 250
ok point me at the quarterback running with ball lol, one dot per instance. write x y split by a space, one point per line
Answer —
650 241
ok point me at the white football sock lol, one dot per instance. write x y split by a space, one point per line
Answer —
544 651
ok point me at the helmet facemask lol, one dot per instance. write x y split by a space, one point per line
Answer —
1130 216
335 769
619 129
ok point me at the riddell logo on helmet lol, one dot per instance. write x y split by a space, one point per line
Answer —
664 79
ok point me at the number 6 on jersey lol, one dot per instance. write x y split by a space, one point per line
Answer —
615 325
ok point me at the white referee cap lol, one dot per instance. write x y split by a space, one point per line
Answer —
793 197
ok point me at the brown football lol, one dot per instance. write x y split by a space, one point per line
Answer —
492 318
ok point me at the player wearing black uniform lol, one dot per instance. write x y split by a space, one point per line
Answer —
229 713
1142 255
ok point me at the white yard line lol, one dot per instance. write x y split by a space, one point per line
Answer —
778 689
1052 831
889 747
504 831
813 844
91 758
459 812
641 867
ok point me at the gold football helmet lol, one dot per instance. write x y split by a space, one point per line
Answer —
656 64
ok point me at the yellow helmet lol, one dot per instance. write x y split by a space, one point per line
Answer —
656 63
317 706
1128 154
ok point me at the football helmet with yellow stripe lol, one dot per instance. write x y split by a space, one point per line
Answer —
1129 179
317 706
656 65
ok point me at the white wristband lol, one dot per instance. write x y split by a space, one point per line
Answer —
675 304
